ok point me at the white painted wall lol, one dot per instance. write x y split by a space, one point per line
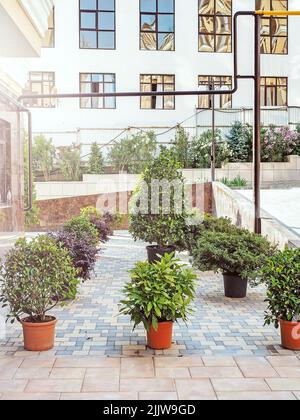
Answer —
128 62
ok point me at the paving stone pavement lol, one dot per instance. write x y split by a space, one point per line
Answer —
91 325
45 377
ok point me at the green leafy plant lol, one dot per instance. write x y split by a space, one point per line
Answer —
281 275
161 227
82 227
32 217
69 162
159 292
237 182
181 147
43 152
199 155
236 251
133 153
96 160
33 276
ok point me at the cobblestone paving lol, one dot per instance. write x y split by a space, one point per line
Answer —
91 325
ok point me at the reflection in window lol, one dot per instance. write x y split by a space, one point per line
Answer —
274 91
157 83
98 83
41 83
214 83
5 164
274 39
157 25
49 38
215 26
97 24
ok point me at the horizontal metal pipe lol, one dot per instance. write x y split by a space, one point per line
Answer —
278 12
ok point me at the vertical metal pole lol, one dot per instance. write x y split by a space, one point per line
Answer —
213 144
257 123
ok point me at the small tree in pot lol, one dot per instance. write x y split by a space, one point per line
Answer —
237 253
34 272
157 208
281 274
158 295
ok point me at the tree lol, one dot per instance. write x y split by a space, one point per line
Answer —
240 140
132 154
181 146
43 156
96 160
199 154
31 216
69 162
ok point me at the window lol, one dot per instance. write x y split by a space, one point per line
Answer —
157 25
49 38
274 91
97 83
274 32
41 83
97 24
215 26
215 82
5 164
157 83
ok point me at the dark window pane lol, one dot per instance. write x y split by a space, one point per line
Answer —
88 20
106 40
166 6
106 20
148 23
106 5
88 39
88 4
148 5
165 23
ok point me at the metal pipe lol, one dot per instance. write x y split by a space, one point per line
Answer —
257 122
213 143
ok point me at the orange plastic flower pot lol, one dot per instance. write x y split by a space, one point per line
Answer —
162 338
290 335
39 337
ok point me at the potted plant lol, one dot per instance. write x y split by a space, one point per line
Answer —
34 272
158 295
237 253
281 274
154 215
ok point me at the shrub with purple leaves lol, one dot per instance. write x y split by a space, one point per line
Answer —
278 144
82 251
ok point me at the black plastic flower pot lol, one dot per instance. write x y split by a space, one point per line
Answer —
155 252
235 287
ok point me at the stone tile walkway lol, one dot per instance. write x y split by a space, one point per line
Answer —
91 326
45 377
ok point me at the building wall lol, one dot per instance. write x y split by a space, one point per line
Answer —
128 62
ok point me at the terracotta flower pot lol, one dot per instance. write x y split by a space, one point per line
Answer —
162 338
290 335
39 336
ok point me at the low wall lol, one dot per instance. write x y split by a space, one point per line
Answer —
55 212
271 173
229 203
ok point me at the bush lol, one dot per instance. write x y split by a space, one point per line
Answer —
278 144
33 274
237 182
199 155
104 223
281 275
82 252
83 229
163 227
237 251
297 148
159 292
181 147
240 142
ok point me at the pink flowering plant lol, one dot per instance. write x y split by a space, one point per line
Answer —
278 144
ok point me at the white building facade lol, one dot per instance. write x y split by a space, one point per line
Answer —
133 45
